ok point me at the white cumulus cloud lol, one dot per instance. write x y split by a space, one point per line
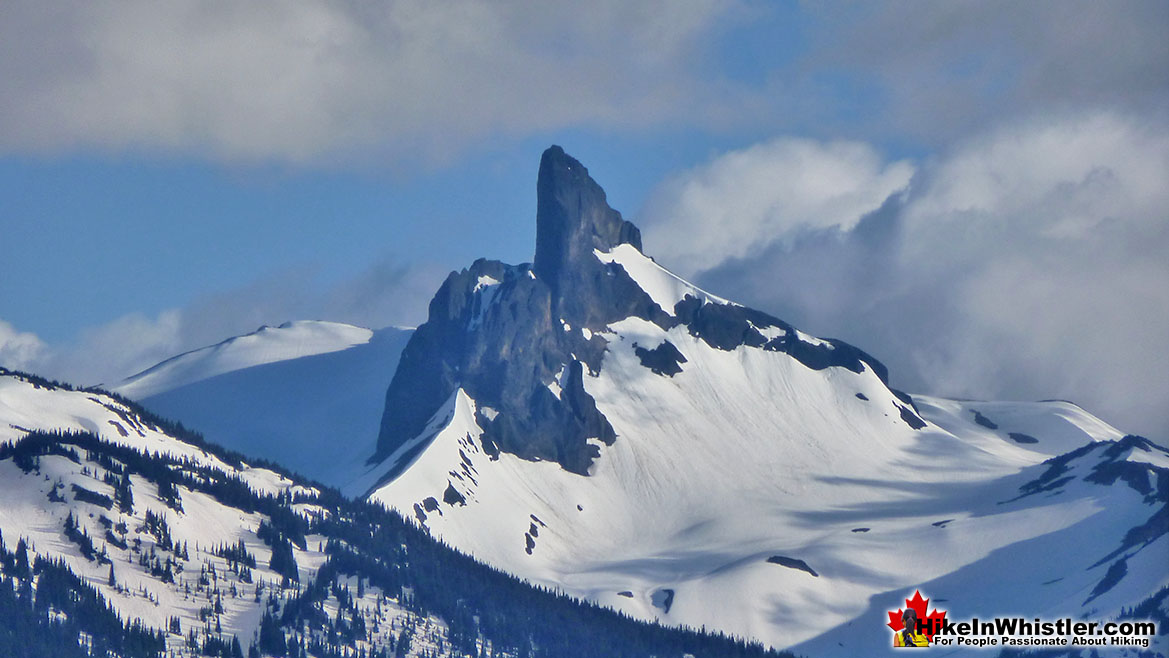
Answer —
316 80
19 350
1026 263
387 293
743 201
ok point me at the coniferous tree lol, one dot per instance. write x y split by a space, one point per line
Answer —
125 495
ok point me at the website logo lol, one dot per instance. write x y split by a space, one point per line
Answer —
912 627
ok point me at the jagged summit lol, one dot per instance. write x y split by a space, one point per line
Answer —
703 463
573 217
519 339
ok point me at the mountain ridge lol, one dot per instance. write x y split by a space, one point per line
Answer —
120 530
625 437
506 334
695 439
286 341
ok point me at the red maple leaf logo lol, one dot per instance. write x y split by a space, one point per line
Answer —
930 623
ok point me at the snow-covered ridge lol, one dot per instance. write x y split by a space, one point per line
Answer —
192 520
690 517
664 287
189 561
26 406
709 465
307 395
206 553
290 340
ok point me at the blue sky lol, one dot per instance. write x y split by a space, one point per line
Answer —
955 187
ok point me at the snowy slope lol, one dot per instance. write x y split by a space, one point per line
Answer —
756 480
208 594
174 535
290 340
748 454
596 424
203 523
26 406
306 395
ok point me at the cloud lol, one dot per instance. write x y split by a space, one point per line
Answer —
318 80
735 205
933 70
1025 263
387 293
405 82
128 344
18 349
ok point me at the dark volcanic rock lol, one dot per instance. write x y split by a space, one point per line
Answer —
663 598
729 326
573 219
512 336
452 496
792 563
503 345
984 421
911 418
501 332
665 359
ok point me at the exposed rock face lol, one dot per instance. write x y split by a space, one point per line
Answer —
500 332
512 336
572 219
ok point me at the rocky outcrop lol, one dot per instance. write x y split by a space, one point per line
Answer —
520 339
511 336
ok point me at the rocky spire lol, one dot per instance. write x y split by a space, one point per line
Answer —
573 218
505 334
502 335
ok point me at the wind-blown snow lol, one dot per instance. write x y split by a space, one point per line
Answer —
1057 425
485 290
485 282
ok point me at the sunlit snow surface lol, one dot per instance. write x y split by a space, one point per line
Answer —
748 454
662 285
203 523
307 395
742 456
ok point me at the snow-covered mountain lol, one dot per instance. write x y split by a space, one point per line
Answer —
593 423
111 500
306 395
291 340
121 532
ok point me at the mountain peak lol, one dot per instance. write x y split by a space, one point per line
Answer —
573 217
519 340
